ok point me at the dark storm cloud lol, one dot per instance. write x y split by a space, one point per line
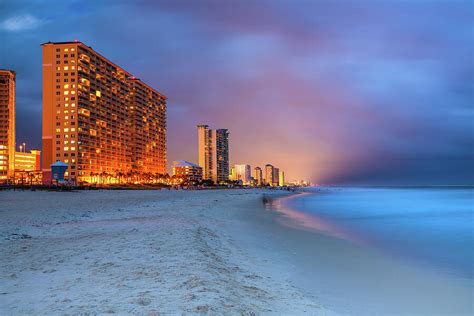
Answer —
350 92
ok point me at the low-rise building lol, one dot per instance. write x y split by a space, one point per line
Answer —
243 172
25 161
186 170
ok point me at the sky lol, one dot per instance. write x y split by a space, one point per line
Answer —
337 92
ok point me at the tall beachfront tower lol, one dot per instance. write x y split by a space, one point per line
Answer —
269 172
281 178
258 175
276 176
97 117
213 153
7 124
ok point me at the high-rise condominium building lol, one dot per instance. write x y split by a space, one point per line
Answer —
97 117
213 153
7 124
269 174
244 173
276 176
258 175
281 178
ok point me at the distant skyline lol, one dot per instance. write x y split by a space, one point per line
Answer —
337 92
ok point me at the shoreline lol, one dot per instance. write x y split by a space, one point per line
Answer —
352 278
140 252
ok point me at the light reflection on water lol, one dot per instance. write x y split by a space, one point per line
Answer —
297 219
434 225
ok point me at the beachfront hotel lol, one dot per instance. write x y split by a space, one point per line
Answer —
213 153
281 178
269 173
187 171
243 172
27 161
276 176
97 117
258 176
7 124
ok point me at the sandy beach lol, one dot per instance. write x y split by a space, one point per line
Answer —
141 252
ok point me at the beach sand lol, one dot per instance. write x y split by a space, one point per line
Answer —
142 252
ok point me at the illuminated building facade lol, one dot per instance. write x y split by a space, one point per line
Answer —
269 174
187 170
244 173
258 176
276 176
97 117
213 153
232 175
7 124
25 161
281 178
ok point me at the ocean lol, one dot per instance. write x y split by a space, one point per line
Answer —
381 250
430 225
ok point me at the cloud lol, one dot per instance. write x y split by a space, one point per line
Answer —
371 92
20 23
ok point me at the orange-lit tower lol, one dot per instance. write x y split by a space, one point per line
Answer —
7 124
97 117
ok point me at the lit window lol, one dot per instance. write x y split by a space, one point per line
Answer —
97 93
66 86
66 68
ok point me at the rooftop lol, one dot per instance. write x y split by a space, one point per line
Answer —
184 163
